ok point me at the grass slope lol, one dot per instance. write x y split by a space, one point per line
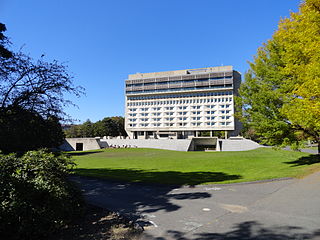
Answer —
191 168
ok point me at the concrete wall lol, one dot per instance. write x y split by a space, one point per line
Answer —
169 144
237 144
88 144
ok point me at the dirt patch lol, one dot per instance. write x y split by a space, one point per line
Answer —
99 224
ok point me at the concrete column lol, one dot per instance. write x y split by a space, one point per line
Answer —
197 133
145 134
226 134
211 133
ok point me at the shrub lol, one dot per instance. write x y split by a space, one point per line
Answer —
35 196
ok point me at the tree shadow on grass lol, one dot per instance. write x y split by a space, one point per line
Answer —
307 160
82 153
250 230
169 177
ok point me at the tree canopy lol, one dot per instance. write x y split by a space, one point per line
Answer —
4 52
109 126
32 99
280 98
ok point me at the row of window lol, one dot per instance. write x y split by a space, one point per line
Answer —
186 95
179 113
181 124
177 82
174 102
180 89
180 119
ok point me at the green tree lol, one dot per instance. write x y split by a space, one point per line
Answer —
87 129
109 126
119 122
22 130
36 197
280 98
73 132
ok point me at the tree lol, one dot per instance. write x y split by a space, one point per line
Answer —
37 86
73 132
36 197
22 130
280 98
109 126
119 122
87 129
31 100
4 52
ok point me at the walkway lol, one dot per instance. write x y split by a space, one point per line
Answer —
287 209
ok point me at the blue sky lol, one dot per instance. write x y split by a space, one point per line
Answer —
103 41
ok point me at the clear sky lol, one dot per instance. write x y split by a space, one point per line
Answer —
103 41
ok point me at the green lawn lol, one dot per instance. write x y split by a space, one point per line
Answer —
191 168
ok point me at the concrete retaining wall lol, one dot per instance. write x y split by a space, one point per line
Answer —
88 144
169 144
238 145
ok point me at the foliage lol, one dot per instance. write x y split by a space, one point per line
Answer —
35 196
22 130
280 98
31 100
4 52
174 167
109 126
37 86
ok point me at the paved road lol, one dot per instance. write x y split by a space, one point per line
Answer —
287 209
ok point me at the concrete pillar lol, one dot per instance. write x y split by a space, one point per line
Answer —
197 133
211 133
145 134
226 134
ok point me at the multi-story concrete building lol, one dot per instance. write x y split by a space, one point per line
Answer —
182 104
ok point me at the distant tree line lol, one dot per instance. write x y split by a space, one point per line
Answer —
109 126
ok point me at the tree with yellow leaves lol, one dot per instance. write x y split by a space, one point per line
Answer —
280 98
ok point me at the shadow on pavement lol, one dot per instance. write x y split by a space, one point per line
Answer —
308 160
139 201
131 199
250 230
169 177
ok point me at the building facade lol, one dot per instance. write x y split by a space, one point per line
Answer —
182 104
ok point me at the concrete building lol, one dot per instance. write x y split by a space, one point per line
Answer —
182 104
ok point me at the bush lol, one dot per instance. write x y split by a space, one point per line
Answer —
35 196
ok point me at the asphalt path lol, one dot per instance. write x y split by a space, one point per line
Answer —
286 209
